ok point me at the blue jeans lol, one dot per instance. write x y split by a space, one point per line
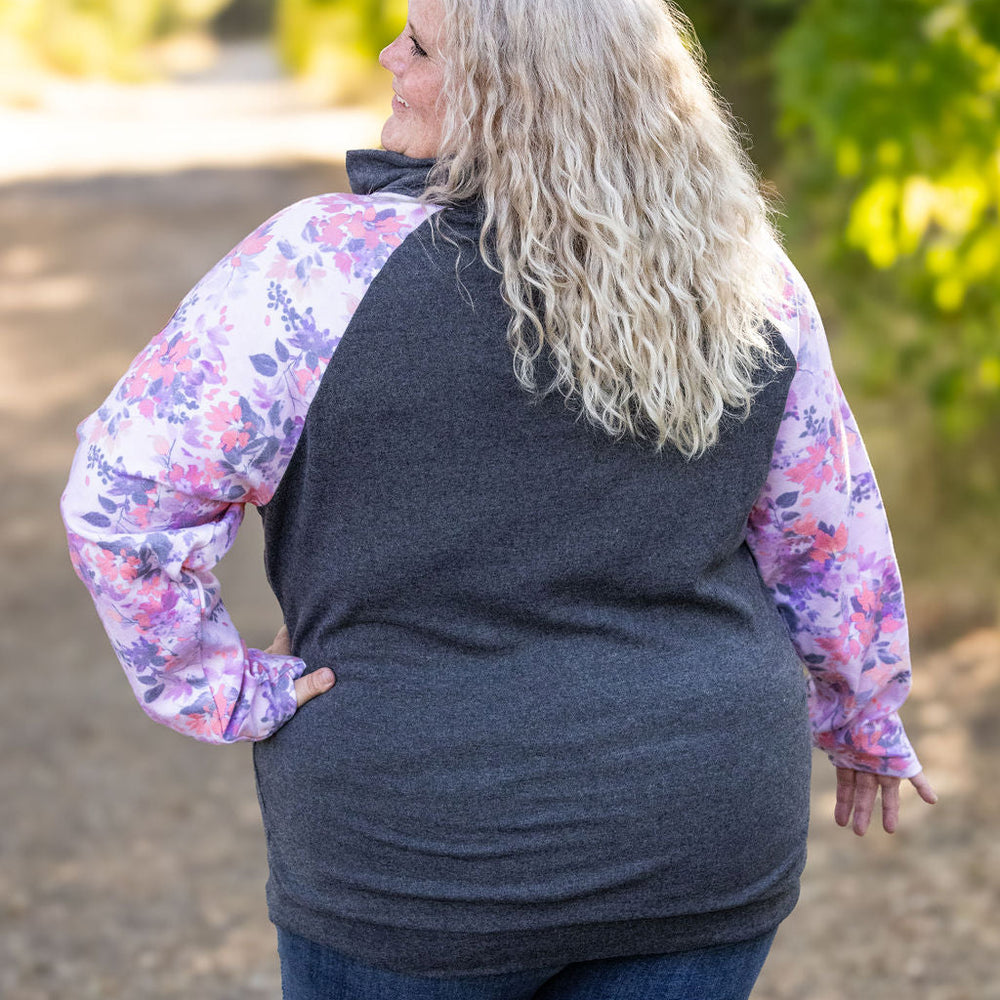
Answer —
314 972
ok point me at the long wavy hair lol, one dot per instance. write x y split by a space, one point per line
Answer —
634 243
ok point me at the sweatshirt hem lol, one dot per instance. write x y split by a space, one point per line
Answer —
450 954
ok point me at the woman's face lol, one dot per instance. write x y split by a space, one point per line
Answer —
416 62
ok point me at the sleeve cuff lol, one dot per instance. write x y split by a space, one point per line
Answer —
273 702
876 745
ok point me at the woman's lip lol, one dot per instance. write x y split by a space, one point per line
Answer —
397 102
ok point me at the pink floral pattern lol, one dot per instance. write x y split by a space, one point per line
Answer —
821 540
204 422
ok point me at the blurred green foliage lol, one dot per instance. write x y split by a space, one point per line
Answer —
891 110
879 122
100 37
336 42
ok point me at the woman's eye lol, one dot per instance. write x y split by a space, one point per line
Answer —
417 50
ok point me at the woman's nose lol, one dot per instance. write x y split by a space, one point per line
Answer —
387 57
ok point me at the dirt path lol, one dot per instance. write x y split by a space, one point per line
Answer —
237 111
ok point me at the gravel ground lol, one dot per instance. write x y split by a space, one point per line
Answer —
132 860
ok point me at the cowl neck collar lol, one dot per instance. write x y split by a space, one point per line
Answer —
378 170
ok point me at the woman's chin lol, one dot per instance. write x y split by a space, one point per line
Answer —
397 140
392 143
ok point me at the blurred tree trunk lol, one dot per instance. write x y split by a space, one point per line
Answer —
245 19
739 38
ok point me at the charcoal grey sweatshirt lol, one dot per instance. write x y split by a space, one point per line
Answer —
569 722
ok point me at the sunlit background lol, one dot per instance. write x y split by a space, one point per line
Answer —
141 139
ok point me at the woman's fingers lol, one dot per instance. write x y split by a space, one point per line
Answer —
890 803
310 685
282 645
865 790
858 790
923 787
845 796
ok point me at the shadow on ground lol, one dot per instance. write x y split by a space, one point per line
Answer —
133 860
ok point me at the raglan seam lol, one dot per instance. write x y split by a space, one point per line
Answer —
329 370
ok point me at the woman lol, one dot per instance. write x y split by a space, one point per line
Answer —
558 480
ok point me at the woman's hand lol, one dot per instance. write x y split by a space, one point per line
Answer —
856 791
310 685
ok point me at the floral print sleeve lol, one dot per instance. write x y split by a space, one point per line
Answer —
204 422
821 540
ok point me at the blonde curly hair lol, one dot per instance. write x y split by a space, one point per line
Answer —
634 243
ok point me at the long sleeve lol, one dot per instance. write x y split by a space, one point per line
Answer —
204 422
821 540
